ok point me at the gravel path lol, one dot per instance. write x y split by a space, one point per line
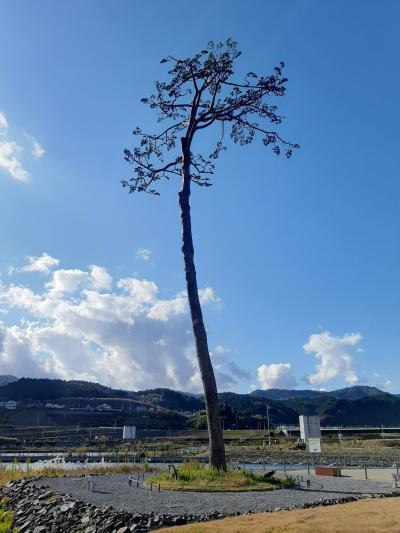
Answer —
114 490
372 457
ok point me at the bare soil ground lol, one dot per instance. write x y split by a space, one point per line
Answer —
367 516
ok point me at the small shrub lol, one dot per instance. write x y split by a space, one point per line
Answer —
6 519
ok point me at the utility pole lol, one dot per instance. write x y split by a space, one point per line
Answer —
269 433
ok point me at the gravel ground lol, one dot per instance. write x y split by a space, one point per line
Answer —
114 490
373 457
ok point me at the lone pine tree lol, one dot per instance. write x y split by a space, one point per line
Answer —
201 95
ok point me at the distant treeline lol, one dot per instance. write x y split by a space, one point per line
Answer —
350 406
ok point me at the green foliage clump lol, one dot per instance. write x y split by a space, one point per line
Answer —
6 519
193 471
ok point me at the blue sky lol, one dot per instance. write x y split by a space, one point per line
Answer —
298 259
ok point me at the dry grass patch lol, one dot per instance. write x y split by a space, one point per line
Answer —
20 471
366 516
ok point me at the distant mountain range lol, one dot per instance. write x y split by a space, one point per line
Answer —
358 405
5 380
349 393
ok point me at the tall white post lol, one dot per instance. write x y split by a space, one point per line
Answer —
269 434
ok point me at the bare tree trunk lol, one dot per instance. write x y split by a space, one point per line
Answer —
217 447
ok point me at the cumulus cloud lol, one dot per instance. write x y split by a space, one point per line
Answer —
144 254
83 324
43 263
67 280
333 356
276 376
11 152
165 309
100 278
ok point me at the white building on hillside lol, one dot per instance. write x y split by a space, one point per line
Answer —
11 404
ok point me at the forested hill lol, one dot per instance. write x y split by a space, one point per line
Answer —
170 399
52 389
56 389
349 393
351 406
7 379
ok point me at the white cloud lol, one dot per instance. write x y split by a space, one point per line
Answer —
276 376
143 254
142 290
67 280
388 384
126 337
161 342
207 295
333 356
37 149
221 349
43 263
165 309
3 122
11 152
219 354
100 278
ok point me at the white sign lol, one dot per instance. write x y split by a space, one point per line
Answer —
314 445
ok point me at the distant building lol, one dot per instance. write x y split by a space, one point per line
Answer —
10 404
104 407
54 406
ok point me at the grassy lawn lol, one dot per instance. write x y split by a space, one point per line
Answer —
196 476
367 516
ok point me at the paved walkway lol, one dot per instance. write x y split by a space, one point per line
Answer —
374 474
